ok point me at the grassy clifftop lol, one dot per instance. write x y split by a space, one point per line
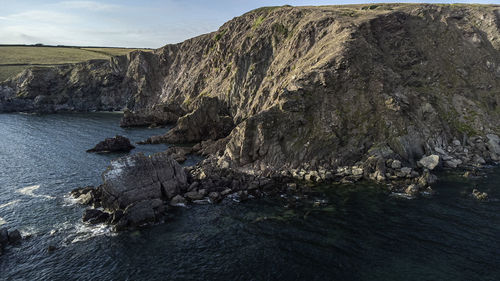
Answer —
14 59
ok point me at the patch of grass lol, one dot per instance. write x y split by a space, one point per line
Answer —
14 59
257 22
371 7
280 29
263 10
219 35
10 71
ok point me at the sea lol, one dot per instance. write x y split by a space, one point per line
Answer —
358 231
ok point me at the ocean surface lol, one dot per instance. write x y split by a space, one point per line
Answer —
341 232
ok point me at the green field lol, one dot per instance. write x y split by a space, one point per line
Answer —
14 59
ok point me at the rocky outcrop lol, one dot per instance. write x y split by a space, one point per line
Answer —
135 191
209 121
115 144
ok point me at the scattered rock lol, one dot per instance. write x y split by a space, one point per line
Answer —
116 144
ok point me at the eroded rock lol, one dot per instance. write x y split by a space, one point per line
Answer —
115 144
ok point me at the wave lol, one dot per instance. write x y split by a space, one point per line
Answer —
69 200
9 203
402 195
2 221
85 232
28 190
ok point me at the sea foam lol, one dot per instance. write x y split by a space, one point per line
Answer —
30 189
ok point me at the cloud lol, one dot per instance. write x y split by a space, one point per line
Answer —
88 5
42 16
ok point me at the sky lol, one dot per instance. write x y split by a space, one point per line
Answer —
128 23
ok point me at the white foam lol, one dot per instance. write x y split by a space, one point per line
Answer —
30 189
117 168
69 200
85 232
9 203
402 195
2 221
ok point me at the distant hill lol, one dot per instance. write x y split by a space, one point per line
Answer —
16 58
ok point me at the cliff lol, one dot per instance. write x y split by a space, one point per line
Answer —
290 90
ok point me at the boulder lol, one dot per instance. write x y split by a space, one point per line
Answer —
214 197
429 162
194 195
178 200
453 163
116 144
396 164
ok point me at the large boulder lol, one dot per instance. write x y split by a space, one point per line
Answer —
493 143
116 144
137 186
429 162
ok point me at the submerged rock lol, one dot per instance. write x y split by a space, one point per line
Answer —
116 144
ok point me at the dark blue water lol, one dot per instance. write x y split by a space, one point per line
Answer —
361 233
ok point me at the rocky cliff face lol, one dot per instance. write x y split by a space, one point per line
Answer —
290 89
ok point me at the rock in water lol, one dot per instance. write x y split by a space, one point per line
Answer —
139 185
480 196
429 162
116 144
14 236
